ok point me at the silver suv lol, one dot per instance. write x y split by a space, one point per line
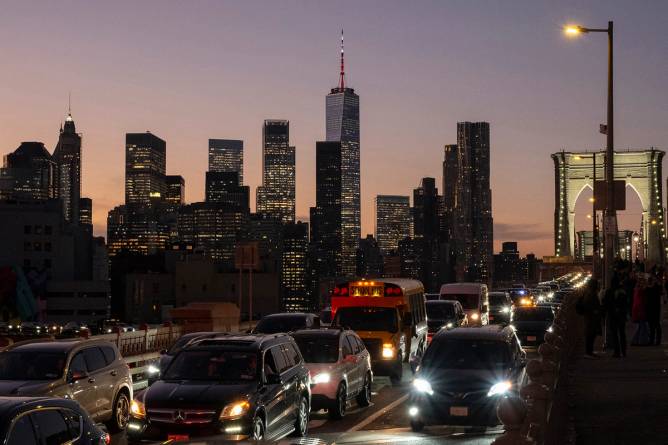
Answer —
340 368
92 372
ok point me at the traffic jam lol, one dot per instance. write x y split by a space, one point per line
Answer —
463 350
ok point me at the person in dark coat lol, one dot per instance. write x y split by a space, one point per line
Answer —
653 294
615 305
639 312
590 308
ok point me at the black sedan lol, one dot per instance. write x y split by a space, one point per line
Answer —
444 314
46 420
500 307
531 323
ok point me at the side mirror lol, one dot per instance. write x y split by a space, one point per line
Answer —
274 379
75 376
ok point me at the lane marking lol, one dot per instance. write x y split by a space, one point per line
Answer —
378 414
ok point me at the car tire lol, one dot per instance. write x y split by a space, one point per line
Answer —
364 396
417 426
121 413
257 431
338 407
301 424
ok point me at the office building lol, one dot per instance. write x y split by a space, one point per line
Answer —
393 221
343 125
227 155
509 268
144 229
295 292
67 156
472 219
276 196
175 190
29 173
369 258
86 212
449 189
145 159
223 187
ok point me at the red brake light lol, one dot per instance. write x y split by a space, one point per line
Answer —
337 291
344 291
107 438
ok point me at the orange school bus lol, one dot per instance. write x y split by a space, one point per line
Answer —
389 315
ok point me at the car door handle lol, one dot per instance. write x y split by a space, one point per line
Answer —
91 380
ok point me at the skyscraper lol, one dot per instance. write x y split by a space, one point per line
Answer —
223 187
145 159
296 297
449 189
175 190
426 229
29 173
86 212
393 221
276 196
472 216
67 156
227 155
343 125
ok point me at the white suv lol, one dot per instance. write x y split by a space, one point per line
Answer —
340 368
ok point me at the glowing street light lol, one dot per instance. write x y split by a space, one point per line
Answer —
574 30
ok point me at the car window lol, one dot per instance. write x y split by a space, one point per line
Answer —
269 364
346 349
94 359
109 354
73 421
22 432
78 364
353 344
289 358
51 426
292 352
360 343
279 359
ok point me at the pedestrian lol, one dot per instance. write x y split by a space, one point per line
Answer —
639 313
615 303
590 308
653 294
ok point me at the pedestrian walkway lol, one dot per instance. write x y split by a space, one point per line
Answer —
622 401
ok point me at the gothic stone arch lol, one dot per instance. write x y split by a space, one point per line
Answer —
641 169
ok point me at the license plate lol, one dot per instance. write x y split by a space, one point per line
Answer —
459 411
531 338
178 437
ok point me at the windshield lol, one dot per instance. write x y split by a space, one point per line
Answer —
466 354
440 311
213 365
498 300
534 314
33 365
180 343
468 301
274 325
319 348
368 318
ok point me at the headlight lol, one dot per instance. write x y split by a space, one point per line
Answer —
499 388
475 316
388 350
138 409
421 385
449 325
234 410
550 329
323 377
152 369
505 310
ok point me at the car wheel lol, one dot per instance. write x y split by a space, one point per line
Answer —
417 426
364 397
258 429
338 408
301 424
121 413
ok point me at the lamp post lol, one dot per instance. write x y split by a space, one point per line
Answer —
610 213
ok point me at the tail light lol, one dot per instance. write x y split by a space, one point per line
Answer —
107 438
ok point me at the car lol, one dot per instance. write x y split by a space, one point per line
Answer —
47 420
340 368
167 355
531 323
444 314
234 387
464 375
473 297
74 329
33 328
500 308
284 322
91 372
431 297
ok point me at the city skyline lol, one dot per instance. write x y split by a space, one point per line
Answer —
526 136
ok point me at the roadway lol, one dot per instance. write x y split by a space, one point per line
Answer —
385 421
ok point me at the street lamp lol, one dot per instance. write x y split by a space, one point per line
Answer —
610 214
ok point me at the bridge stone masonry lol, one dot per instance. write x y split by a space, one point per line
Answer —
639 169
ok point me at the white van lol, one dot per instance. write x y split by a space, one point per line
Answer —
474 300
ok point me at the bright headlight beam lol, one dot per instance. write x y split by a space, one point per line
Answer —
323 377
499 388
421 385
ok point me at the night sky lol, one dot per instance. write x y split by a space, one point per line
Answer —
190 71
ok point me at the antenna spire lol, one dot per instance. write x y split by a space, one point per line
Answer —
342 75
